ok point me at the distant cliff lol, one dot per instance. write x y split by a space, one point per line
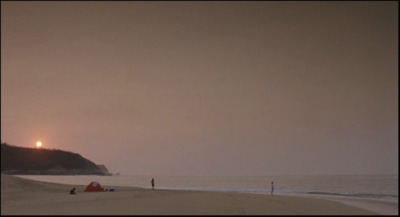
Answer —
39 161
104 169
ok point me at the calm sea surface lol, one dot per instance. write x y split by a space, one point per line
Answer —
366 186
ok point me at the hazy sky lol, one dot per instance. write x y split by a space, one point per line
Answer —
205 88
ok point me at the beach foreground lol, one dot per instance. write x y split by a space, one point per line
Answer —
22 197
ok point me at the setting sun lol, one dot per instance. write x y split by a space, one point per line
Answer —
38 144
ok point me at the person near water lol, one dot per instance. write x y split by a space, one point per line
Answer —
272 188
152 183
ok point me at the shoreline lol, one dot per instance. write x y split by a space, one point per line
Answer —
381 206
24 196
378 197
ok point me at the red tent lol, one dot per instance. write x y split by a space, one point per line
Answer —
94 186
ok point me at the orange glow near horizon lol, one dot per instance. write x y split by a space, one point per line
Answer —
38 144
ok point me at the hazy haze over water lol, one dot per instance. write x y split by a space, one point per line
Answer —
205 88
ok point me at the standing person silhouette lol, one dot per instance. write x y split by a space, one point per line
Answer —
152 183
272 188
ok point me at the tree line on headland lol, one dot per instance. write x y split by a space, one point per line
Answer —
38 161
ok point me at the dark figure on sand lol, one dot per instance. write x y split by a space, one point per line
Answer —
272 188
152 183
72 191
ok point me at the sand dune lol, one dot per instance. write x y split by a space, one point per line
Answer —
21 196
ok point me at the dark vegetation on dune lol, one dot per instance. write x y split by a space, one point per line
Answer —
39 161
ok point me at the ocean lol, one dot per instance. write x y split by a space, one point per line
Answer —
364 186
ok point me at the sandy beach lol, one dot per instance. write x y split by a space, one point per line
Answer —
27 197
